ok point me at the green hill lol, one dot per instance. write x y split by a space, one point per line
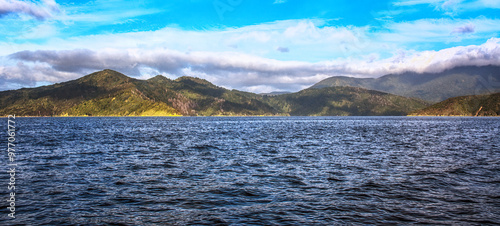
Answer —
109 93
477 105
194 96
435 87
104 93
345 101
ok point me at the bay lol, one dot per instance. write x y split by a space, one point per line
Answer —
256 170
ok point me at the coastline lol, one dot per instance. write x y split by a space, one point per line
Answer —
416 115
195 116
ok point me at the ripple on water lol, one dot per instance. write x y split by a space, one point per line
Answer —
264 171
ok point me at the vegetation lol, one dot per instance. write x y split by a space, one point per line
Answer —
109 93
477 105
102 93
344 101
432 87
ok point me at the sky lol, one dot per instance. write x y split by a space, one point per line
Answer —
251 45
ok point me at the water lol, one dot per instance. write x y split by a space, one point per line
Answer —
264 170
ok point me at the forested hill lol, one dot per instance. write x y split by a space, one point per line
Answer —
434 87
476 105
110 93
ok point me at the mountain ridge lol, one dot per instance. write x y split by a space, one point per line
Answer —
434 87
110 93
345 101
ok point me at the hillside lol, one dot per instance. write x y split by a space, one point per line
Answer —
109 93
194 96
345 101
101 93
477 105
432 87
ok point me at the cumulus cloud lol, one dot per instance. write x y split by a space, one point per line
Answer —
251 58
438 61
310 40
40 11
236 70
28 75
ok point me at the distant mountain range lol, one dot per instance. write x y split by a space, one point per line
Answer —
476 105
434 87
109 93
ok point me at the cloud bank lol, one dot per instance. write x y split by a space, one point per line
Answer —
231 69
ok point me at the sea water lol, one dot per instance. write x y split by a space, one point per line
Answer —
255 170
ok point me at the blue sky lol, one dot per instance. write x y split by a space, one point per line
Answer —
258 45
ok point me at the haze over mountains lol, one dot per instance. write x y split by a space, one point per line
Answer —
434 87
109 93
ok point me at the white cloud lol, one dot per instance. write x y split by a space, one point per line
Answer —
438 61
452 7
305 37
438 30
415 2
39 11
490 3
439 4
310 40
252 57
41 31
236 70
105 14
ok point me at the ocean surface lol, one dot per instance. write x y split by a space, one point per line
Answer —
255 171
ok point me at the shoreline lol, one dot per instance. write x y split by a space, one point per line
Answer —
249 116
453 116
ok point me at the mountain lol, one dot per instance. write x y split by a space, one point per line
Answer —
194 96
109 93
476 105
101 93
434 87
345 101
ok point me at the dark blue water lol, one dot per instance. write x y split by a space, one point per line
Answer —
263 171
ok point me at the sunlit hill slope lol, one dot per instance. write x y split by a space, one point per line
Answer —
110 93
